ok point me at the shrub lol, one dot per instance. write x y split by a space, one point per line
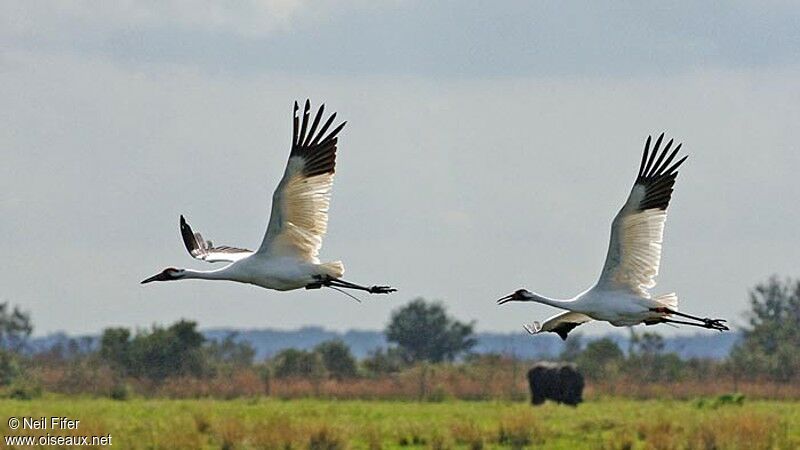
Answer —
231 433
201 422
326 438
120 391
25 390
440 442
735 399
278 433
518 430
374 438
9 367
469 434
749 431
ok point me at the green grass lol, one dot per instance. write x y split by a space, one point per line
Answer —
334 425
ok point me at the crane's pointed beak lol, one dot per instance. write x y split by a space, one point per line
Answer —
157 277
507 298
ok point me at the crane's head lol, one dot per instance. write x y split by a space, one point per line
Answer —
168 274
520 295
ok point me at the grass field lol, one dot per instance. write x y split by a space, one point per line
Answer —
332 425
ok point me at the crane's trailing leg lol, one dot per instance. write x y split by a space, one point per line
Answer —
714 324
329 281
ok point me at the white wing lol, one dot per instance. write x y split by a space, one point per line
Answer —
634 252
560 324
300 203
204 250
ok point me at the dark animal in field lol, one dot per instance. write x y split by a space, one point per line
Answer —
560 382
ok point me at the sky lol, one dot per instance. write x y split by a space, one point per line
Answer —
488 147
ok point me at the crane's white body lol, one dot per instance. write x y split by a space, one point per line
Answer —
615 306
280 274
622 296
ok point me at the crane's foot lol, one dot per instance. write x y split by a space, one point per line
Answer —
715 324
381 290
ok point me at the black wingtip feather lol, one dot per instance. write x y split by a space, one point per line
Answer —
189 239
656 174
644 155
320 111
669 160
324 129
333 134
295 124
653 155
316 148
657 166
674 169
302 136
198 247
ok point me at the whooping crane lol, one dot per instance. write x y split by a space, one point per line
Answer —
621 296
288 256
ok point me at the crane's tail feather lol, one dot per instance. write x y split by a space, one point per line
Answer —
669 300
334 269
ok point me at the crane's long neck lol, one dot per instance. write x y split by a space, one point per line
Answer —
219 274
558 303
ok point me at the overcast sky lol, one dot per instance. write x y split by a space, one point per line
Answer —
488 147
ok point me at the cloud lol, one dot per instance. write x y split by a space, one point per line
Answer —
243 17
446 39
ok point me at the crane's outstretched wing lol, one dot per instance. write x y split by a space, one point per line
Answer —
634 252
300 203
560 324
204 250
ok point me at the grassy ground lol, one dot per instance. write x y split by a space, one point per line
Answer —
332 425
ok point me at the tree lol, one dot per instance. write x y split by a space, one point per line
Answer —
772 338
115 348
380 362
15 327
600 359
230 353
9 367
648 360
424 332
155 354
572 348
647 344
337 359
298 363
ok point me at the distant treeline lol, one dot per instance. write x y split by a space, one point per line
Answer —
429 355
269 342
